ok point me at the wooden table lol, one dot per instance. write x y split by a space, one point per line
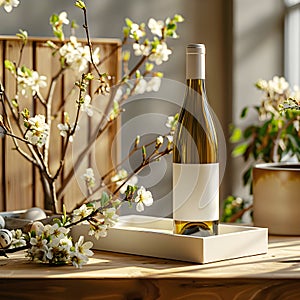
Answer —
110 276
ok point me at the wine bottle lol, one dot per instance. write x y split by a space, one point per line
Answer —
195 156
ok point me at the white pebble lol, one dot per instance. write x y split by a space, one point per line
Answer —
5 238
2 222
34 213
37 227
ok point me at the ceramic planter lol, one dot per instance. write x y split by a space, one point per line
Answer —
276 197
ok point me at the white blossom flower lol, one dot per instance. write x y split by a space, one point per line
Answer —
110 216
122 174
160 54
65 128
38 130
141 86
153 84
89 177
37 81
58 231
39 249
262 84
278 85
9 4
141 49
96 55
84 248
59 249
156 26
143 198
18 239
159 140
136 32
170 141
63 18
77 56
98 231
170 138
81 253
172 122
30 82
132 182
81 212
86 105
120 178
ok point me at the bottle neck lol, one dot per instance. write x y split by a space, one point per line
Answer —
198 86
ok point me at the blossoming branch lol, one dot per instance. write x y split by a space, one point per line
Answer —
32 133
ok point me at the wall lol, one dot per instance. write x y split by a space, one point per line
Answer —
258 54
207 21
250 30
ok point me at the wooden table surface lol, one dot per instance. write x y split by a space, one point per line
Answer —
275 275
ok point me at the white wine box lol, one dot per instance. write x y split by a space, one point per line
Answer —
151 236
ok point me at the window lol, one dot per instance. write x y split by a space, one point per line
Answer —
292 42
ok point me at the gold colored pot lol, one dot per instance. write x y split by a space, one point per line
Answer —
276 197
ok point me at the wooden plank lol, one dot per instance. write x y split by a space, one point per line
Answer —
107 146
270 276
140 288
73 192
49 65
17 170
100 158
2 145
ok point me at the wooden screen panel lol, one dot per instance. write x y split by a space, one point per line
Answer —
20 182
18 172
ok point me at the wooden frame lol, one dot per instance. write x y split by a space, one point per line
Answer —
19 180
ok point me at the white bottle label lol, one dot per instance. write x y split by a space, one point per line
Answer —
196 192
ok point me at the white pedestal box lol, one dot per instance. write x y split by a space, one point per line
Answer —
151 236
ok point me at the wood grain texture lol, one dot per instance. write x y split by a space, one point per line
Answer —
18 172
20 183
150 289
272 276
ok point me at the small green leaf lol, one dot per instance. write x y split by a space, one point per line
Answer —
159 74
25 113
104 199
128 22
247 176
80 4
144 152
126 31
239 150
74 25
54 19
23 36
149 67
10 66
89 76
126 55
249 131
14 103
244 112
178 18
236 135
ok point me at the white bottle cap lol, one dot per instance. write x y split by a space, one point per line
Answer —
195 61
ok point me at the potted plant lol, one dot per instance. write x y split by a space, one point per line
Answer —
273 139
